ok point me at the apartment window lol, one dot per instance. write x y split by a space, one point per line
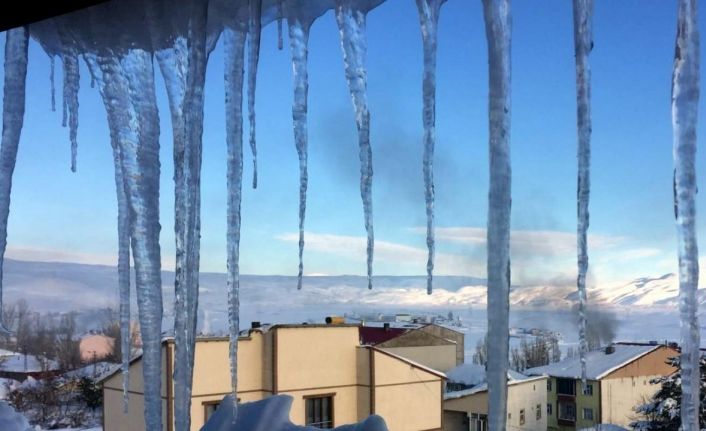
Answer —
566 387
539 411
549 409
319 411
588 414
210 407
522 416
588 389
567 411
479 422
549 385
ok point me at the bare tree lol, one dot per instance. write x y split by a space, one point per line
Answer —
112 330
480 357
68 350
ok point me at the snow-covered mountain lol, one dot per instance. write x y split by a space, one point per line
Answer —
59 286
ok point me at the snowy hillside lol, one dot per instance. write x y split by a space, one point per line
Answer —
57 286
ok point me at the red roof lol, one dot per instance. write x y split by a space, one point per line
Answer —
371 335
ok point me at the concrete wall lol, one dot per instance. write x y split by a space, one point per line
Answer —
113 416
407 397
526 395
582 401
621 395
440 358
449 334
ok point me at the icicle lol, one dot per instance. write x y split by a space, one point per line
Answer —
299 42
127 88
183 67
123 239
253 59
685 103
234 42
280 13
13 111
583 43
498 29
90 71
351 24
51 82
69 58
429 20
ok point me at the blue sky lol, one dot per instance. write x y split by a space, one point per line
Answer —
57 215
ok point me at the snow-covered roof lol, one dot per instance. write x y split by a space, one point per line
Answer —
598 362
16 363
473 374
484 387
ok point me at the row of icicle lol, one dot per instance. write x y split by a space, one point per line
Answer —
126 83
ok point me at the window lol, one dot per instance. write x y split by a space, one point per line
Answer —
588 414
567 411
479 422
549 409
522 416
319 411
539 411
209 408
588 390
566 386
549 385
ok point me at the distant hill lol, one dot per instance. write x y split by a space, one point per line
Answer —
58 286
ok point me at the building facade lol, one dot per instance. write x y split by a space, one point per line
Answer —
526 400
618 380
331 377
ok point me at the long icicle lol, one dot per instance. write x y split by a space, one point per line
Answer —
127 86
255 27
498 24
429 21
299 43
124 227
351 25
280 14
183 67
583 43
234 43
13 111
685 104
51 82
69 57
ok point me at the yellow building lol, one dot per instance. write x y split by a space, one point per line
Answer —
468 409
332 378
618 379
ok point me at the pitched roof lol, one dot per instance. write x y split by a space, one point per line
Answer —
408 362
370 336
598 363
484 387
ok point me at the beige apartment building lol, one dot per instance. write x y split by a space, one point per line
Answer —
333 379
618 379
526 399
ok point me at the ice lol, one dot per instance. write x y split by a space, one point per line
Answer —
280 14
685 102
183 66
583 43
234 42
13 110
350 16
127 87
255 28
69 58
51 82
428 22
498 24
299 42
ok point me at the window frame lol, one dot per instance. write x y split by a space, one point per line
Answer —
522 417
332 416
538 414
550 408
587 390
479 420
584 416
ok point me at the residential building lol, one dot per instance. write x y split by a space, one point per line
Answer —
435 346
467 409
618 378
333 379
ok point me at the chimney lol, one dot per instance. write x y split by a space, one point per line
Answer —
609 350
255 325
386 326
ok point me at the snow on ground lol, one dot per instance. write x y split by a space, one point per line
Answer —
10 420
